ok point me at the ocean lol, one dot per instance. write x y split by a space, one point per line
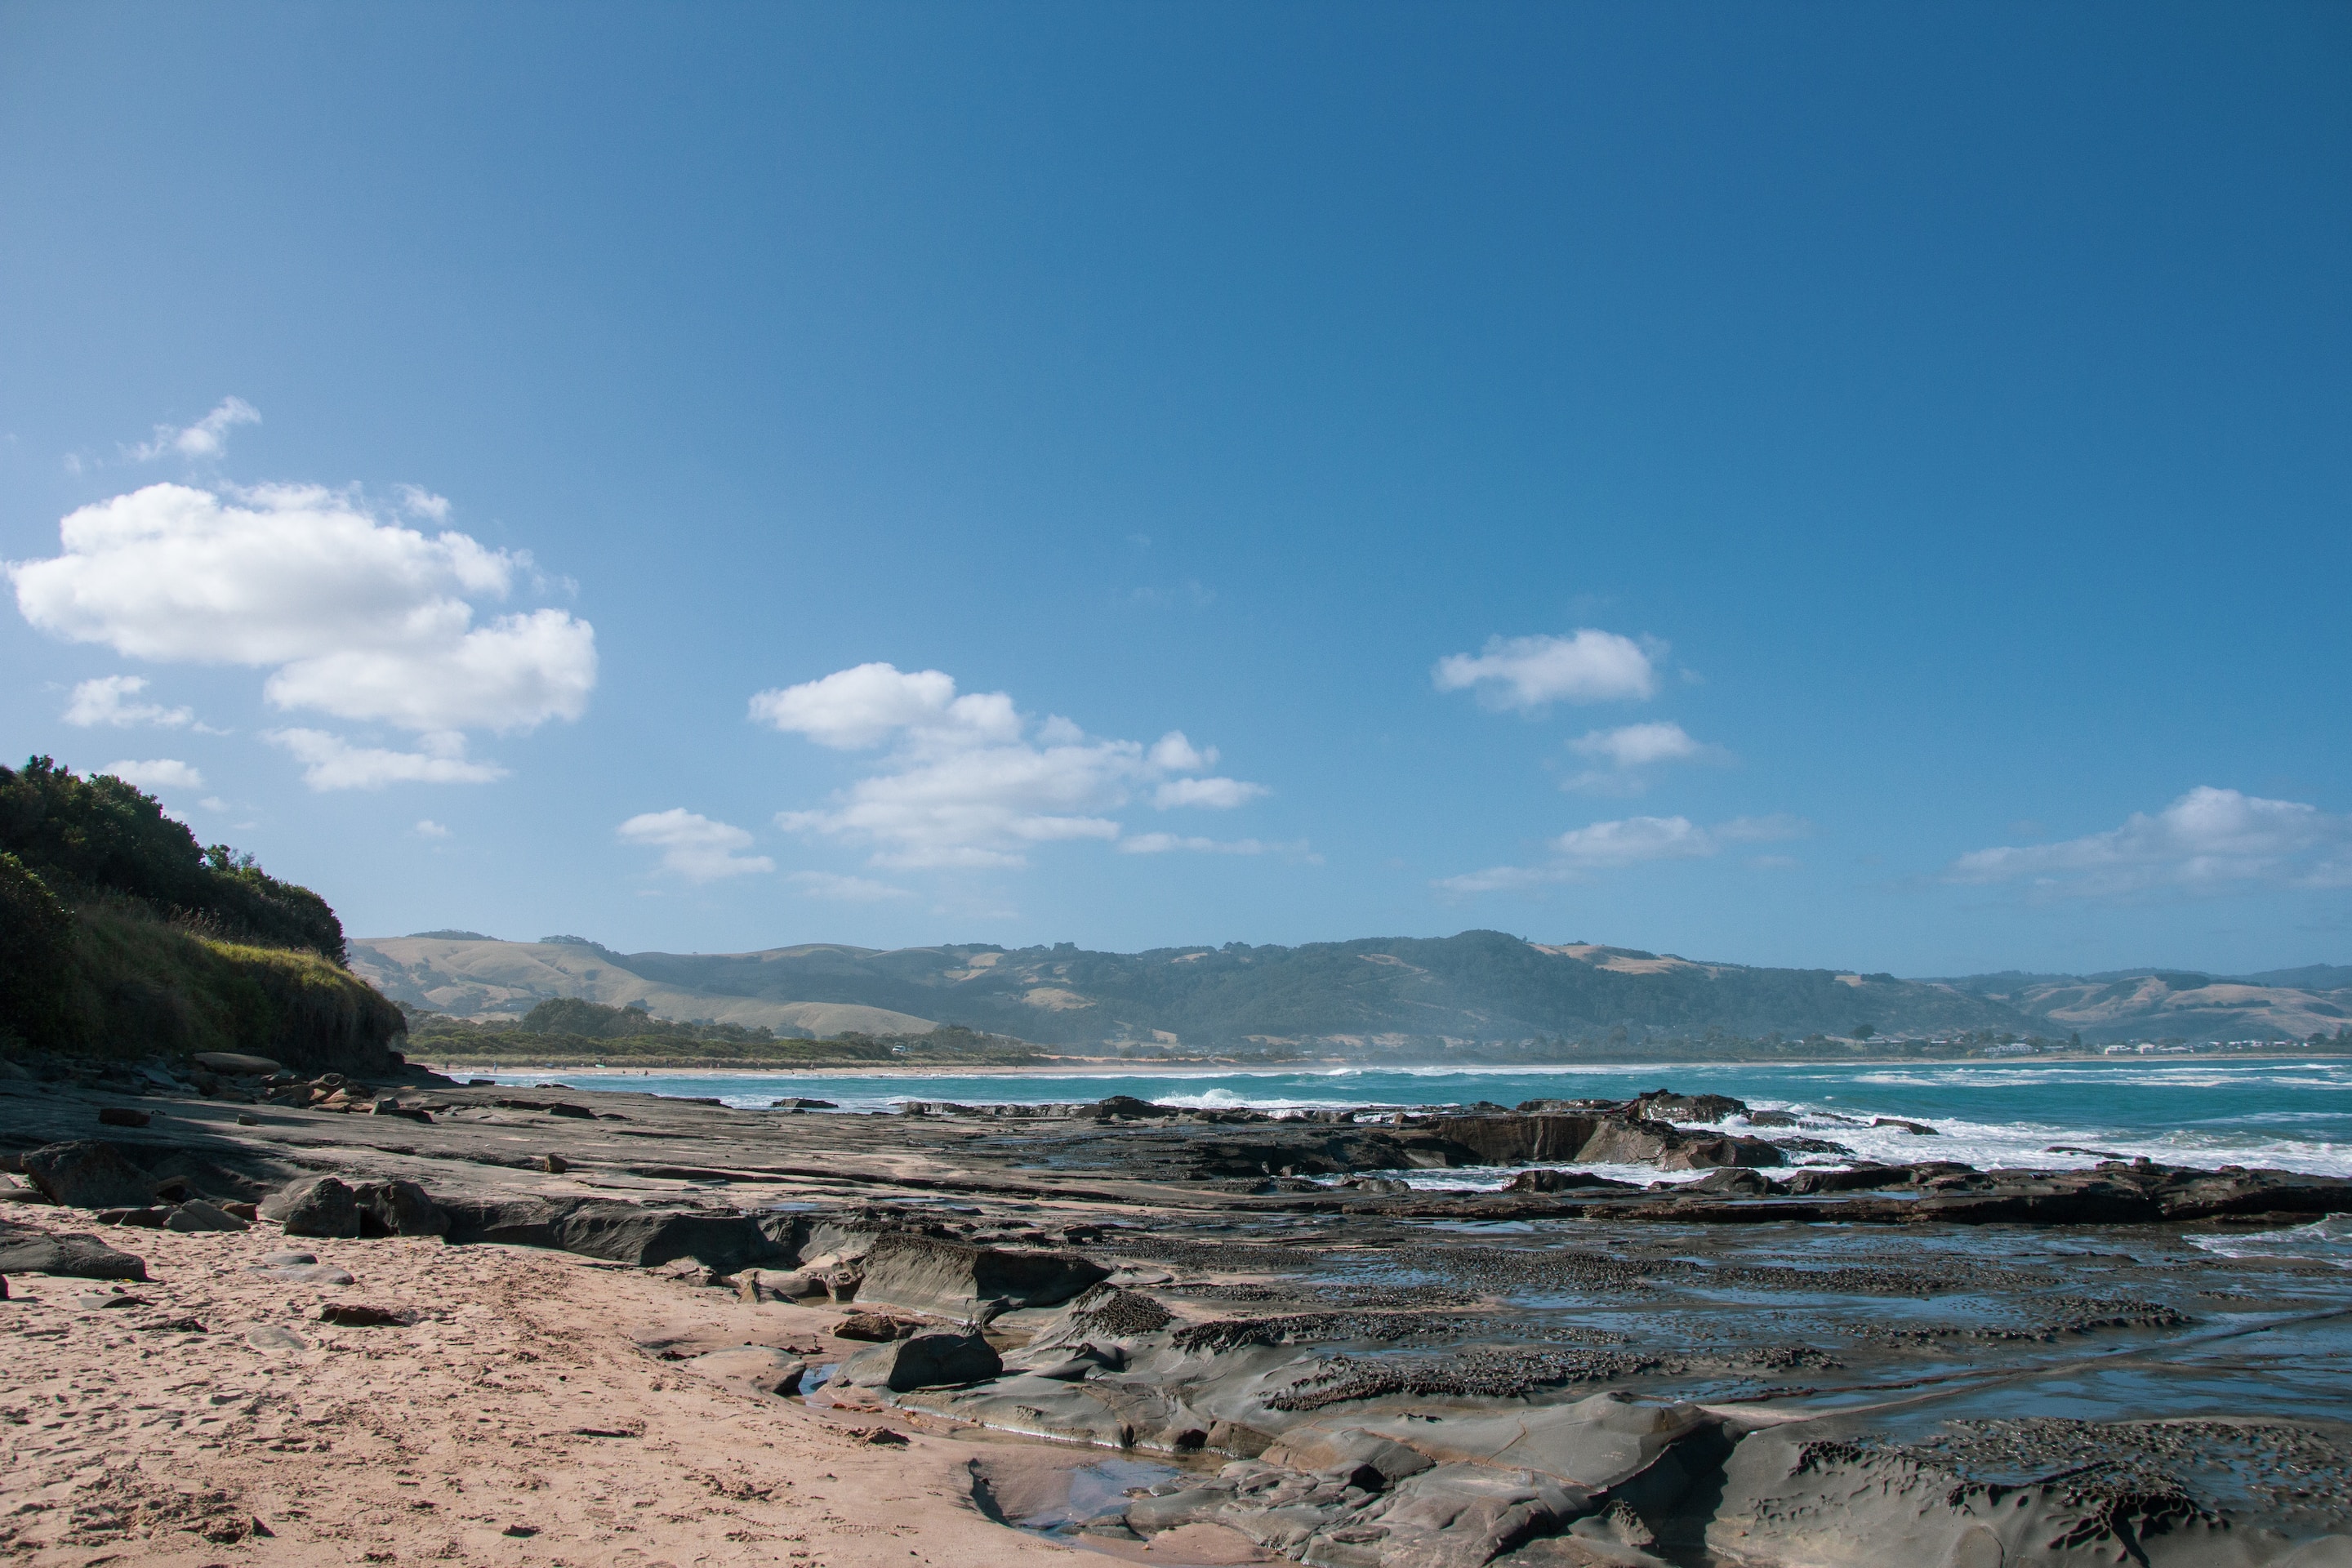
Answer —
2287 1114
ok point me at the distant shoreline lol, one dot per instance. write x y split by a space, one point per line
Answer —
1083 1068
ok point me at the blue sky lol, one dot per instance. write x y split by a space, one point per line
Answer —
1830 485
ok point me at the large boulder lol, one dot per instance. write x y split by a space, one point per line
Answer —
328 1206
620 1232
1460 1515
236 1065
1514 1140
1705 1154
89 1174
925 1361
398 1208
956 1279
75 1257
1667 1106
1599 1138
314 1205
1595 1442
1548 1181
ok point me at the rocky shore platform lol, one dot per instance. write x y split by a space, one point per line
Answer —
254 1319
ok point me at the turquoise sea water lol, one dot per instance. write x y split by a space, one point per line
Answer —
2288 1114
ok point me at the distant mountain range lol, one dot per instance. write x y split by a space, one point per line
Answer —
1476 986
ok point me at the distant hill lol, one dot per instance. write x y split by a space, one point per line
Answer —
2310 977
1476 986
2150 1004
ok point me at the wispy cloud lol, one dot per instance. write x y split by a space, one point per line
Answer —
159 773
850 889
330 761
1623 756
418 501
2208 841
207 438
107 700
1530 673
1583 852
693 846
1166 843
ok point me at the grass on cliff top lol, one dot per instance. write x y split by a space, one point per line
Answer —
139 985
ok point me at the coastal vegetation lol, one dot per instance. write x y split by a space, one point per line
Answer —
121 936
567 1031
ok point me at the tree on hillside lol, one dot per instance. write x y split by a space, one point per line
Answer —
100 836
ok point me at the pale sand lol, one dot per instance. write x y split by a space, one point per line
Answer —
126 1443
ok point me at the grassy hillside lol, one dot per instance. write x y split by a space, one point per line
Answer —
1482 986
120 936
2155 1004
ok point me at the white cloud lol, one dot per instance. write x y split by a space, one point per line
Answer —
514 674
360 618
1163 843
1533 672
1500 879
694 846
1179 755
163 773
428 828
969 780
2208 841
103 701
852 710
853 889
418 501
1637 745
330 761
1210 794
1579 853
1774 829
1631 841
1629 749
207 438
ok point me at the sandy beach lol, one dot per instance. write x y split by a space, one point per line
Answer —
527 1415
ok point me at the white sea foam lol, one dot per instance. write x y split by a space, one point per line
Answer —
2328 1240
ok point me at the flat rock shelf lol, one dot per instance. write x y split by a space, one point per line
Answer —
633 1328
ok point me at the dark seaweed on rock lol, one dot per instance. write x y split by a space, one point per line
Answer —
1871 1280
1106 1309
1470 1374
2052 1317
1206 1256
1231 1334
1554 1268
1354 1298
2282 1465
